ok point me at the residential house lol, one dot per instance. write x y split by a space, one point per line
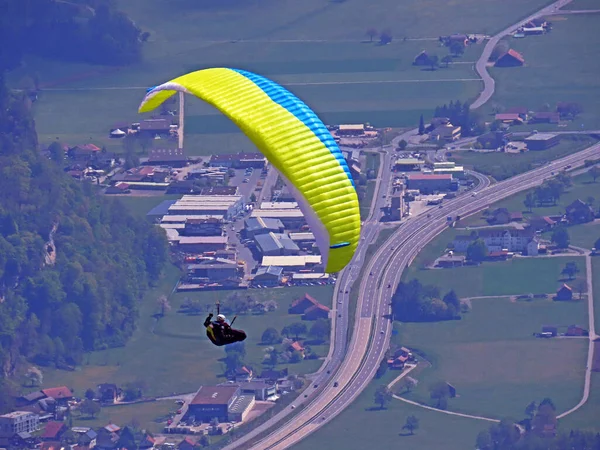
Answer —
316 312
450 261
565 293
579 212
422 59
509 118
497 256
186 444
109 393
503 216
541 223
61 394
512 240
575 330
494 139
400 358
446 133
522 111
545 117
302 304
23 439
259 388
30 398
85 436
106 439
17 422
297 347
53 431
511 58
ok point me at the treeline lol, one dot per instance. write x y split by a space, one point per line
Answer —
536 432
86 30
472 123
82 293
415 302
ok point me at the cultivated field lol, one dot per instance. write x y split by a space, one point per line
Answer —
174 355
494 362
295 43
585 235
502 165
559 67
539 275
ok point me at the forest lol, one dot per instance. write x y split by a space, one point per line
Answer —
73 265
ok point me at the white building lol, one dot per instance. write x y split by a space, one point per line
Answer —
223 205
497 240
18 422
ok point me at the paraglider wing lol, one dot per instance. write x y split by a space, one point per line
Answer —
294 140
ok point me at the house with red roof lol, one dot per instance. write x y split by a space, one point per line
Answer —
301 304
511 58
315 312
61 394
51 446
54 431
186 444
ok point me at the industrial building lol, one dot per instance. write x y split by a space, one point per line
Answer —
225 403
259 225
239 161
268 276
203 227
309 277
201 244
272 244
408 164
429 183
305 241
447 133
396 207
292 219
279 205
226 205
542 141
18 422
293 263
213 270
182 219
448 168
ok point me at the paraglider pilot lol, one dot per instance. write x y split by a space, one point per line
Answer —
220 332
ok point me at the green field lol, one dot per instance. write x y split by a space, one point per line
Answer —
582 188
502 165
174 354
493 361
303 45
141 205
585 235
582 4
358 426
560 66
149 416
517 276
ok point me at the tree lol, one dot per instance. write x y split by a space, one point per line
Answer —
477 251
163 304
421 125
570 270
457 48
320 329
580 287
531 409
270 336
452 299
90 394
90 408
57 154
296 357
383 396
409 383
412 424
385 37
253 198
529 201
272 358
560 236
35 376
447 60
133 390
590 200
402 144
204 441
439 391
372 33
297 328
433 62
594 172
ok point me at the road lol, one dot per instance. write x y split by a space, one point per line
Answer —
481 66
373 330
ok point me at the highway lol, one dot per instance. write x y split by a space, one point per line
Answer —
370 339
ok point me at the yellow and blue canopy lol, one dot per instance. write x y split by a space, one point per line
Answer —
294 140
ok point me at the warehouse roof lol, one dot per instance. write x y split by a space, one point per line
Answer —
261 223
215 395
271 242
286 261
541 137
423 176
203 240
283 213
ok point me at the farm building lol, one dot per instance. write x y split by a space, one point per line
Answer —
542 141
511 58
565 293
167 156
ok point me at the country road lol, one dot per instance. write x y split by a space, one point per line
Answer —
489 85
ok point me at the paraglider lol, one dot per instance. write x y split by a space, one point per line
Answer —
220 332
295 142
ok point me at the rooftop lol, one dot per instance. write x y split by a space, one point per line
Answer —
58 392
15 414
284 213
241 403
286 261
271 241
269 270
420 176
541 137
203 240
214 395
407 161
260 223
279 205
